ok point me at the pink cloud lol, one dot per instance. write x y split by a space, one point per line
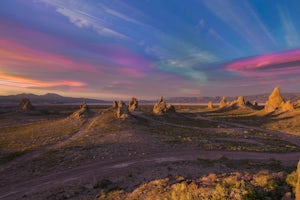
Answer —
13 55
281 63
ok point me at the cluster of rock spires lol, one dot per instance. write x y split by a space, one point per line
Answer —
122 111
238 103
162 107
276 102
25 105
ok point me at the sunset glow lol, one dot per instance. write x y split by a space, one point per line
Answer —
118 49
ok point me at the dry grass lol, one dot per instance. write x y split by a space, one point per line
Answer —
16 140
236 186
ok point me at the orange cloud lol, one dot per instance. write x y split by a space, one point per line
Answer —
27 82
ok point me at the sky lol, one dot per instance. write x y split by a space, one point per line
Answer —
110 49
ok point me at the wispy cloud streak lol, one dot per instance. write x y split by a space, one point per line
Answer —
291 35
240 17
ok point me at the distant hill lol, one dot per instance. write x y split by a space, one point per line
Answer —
49 98
261 98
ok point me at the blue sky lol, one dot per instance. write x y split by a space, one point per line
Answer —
118 49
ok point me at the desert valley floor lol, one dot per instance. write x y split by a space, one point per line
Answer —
50 153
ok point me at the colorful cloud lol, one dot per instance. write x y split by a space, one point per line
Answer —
280 63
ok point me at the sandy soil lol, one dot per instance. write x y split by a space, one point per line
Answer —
120 154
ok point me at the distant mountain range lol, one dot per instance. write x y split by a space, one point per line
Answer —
51 98
260 98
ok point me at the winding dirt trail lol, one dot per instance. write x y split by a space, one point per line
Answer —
37 152
121 165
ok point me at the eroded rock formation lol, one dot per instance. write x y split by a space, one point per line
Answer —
161 107
240 101
25 105
210 105
255 103
276 102
122 111
287 106
115 104
133 104
223 102
83 105
82 113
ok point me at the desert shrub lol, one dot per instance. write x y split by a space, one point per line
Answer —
291 180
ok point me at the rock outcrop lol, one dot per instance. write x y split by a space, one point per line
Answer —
298 182
287 106
133 104
255 103
83 105
82 113
276 102
223 102
25 105
241 101
122 111
161 107
115 104
210 105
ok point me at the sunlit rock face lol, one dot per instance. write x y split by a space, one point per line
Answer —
210 105
287 106
241 101
82 113
223 102
115 104
25 105
276 102
122 110
161 107
133 104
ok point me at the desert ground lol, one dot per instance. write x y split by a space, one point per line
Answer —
193 153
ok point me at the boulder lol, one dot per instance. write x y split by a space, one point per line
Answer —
223 102
122 110
161 107
210 105
133 104
25 105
